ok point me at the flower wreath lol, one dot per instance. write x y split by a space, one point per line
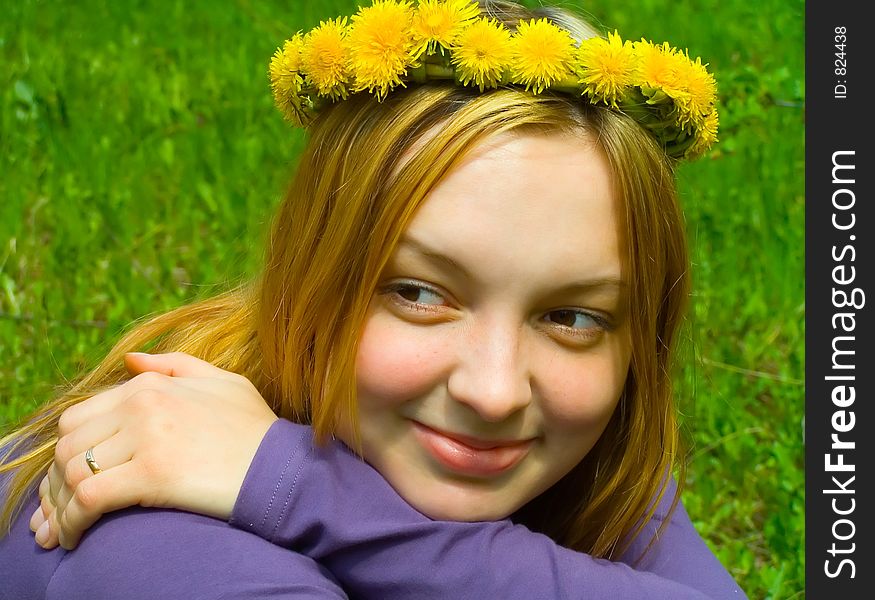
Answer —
392 43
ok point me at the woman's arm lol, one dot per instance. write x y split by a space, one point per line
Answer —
326 503
144 554
183 440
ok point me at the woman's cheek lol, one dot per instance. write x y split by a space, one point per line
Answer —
581 392
398 361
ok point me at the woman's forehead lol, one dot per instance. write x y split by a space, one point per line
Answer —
496 141
521 204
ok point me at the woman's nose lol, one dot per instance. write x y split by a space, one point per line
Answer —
492 374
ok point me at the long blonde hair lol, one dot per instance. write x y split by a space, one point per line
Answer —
294 330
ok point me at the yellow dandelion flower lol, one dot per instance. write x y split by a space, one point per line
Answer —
437 23
658 67
700 92
285 67
606 68
324 58
706 135
380 44
286 80
482 52
542 54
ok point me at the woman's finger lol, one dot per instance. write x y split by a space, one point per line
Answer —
37 518
39 515
73 417
174 364
108 455
55 478
42 533
105 492
89 433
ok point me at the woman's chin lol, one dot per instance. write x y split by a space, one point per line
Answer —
456 513
458 505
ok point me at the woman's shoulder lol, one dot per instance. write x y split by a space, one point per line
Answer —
670 546
157 553
27 569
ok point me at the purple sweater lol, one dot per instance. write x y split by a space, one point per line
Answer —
315 522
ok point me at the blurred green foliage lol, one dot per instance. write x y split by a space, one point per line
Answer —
141 158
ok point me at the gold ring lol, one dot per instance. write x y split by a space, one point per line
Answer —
92 464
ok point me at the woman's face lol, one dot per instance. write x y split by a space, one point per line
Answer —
497 345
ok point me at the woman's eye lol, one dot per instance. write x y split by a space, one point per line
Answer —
578 323
415 296
571 318
420 295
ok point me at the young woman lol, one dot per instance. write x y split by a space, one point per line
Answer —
474 287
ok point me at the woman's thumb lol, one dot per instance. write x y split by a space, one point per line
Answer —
174 364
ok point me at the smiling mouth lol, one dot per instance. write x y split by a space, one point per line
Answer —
471 456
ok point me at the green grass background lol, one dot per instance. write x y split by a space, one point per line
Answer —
141 157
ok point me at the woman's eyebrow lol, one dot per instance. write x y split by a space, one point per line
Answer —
589 285
434 256
583 285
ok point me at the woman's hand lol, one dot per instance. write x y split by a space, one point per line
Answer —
180 434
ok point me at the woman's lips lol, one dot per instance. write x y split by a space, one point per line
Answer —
471 456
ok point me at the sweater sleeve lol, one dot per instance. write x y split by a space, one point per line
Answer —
328 504
143 554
